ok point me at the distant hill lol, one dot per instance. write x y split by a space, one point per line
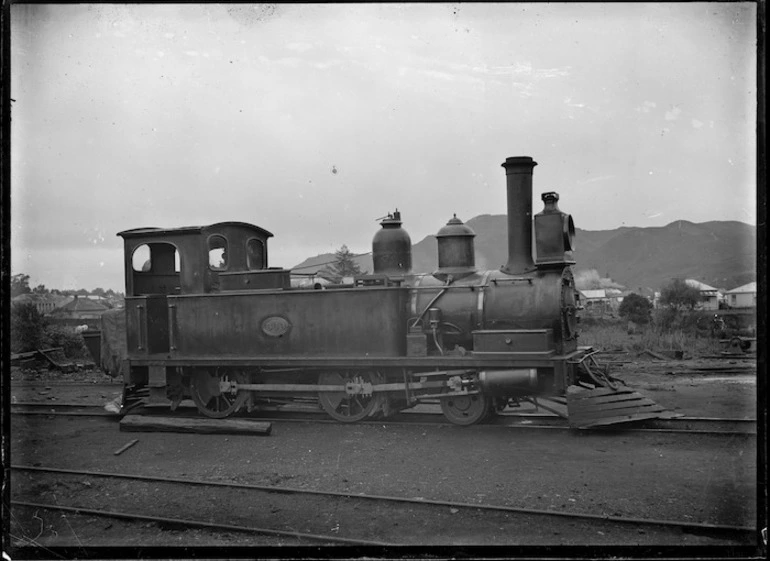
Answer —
721 254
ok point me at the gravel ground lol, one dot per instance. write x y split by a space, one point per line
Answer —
678 477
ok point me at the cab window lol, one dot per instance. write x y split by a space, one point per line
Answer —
255 254
217 253
140 260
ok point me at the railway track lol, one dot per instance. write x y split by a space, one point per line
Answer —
508 419
92 486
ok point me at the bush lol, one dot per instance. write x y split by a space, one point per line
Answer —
67 338
679 295
636 308
31 331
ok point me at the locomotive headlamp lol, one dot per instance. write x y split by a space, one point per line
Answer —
554 234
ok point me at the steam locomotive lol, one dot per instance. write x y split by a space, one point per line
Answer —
208 320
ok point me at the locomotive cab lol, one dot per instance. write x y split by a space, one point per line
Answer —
167 262
198 259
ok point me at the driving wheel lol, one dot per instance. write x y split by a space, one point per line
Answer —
209 393
353 404
466 409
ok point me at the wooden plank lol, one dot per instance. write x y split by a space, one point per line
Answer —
613 420
122 449
625 396
590 394
629 413
615 405
605 399
33 353
137 423
654 354
588 406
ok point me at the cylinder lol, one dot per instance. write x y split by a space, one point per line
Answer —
518 175
392 247
507 382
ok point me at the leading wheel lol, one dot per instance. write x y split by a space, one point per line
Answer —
354 404
466 409
206 392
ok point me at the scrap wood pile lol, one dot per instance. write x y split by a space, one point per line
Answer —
53 357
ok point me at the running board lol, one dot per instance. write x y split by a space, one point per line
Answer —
604 406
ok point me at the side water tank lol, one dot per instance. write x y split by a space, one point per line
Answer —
392 247
456 255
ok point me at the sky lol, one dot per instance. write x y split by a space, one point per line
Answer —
314 120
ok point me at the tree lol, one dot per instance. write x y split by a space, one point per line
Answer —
40 289
19 285
27 328
636 308
344 266
678 295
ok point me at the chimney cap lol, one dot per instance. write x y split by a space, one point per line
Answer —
549 196
519 161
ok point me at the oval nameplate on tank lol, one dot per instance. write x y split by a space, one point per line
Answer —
275 326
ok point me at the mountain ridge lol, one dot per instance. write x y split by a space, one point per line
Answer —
721 253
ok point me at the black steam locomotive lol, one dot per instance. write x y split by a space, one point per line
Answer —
207 319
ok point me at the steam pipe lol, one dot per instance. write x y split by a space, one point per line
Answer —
518 175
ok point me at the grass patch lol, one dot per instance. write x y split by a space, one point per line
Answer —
614 335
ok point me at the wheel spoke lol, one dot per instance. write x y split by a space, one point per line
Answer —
217 406
344 407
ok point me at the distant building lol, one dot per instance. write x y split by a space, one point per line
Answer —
710 296
601 301
80 308
309 281
743 296
45 303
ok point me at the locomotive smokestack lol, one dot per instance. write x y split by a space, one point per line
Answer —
518 175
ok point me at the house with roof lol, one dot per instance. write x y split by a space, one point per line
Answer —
44 303
743 296
80 308
601 301
710 296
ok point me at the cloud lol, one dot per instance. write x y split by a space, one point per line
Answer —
646 107
696 124
551 73
595 179
568 101
673 114
299 47
327 64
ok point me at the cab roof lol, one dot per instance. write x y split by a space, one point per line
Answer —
145 231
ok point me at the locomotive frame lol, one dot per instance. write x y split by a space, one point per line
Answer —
207 319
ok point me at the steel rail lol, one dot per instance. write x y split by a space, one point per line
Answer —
304 408
388 498
501 421
197 524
